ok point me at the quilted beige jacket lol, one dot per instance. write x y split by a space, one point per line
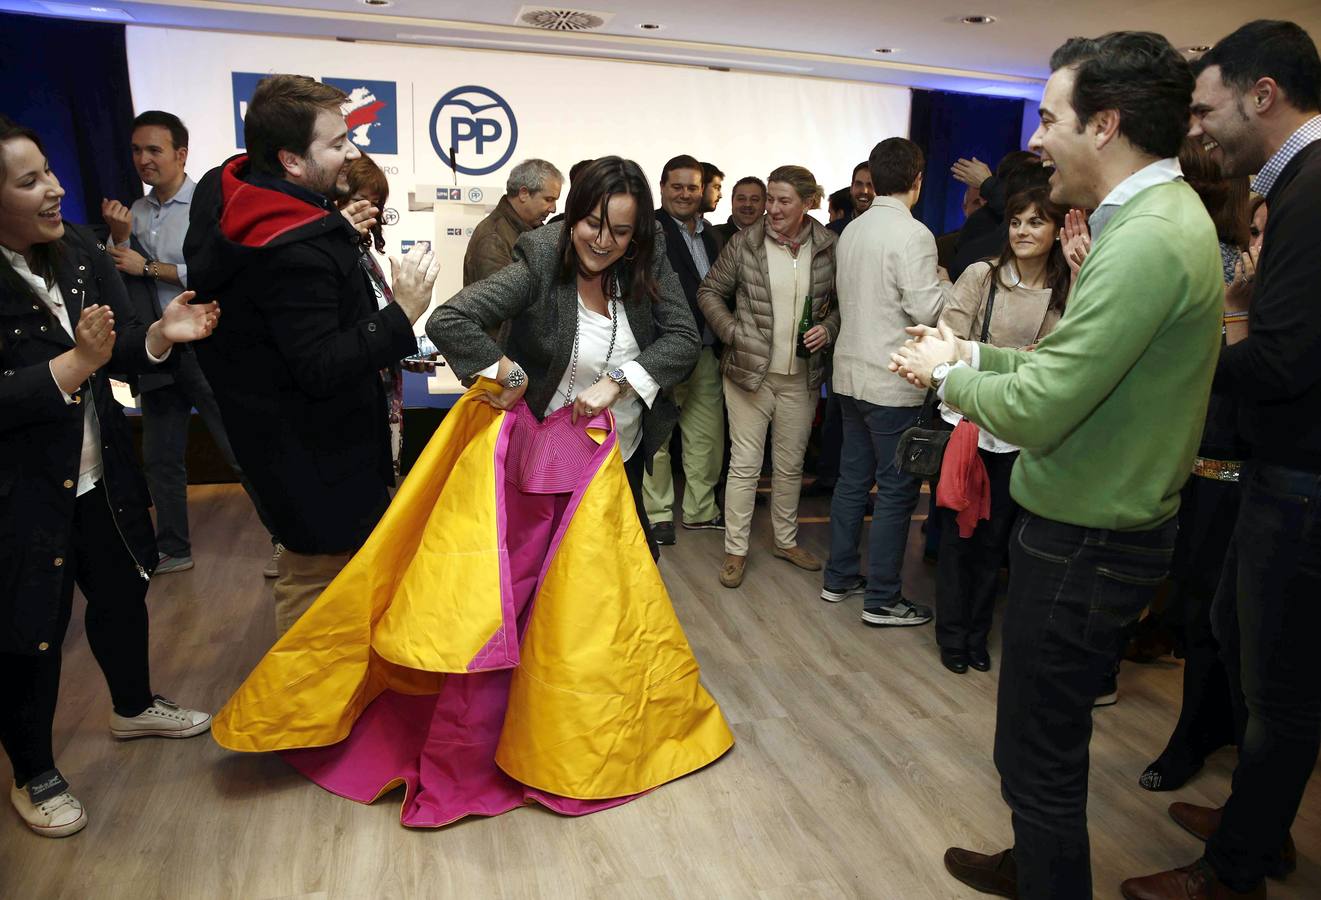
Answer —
742 272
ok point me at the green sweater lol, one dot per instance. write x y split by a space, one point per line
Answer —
1109 408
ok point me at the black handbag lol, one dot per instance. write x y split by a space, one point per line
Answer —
922 447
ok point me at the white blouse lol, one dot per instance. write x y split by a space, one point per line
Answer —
593 344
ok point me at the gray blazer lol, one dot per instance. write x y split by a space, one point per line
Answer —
542 313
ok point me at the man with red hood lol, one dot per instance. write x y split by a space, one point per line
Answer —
295 369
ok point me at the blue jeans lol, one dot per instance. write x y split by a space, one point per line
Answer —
166 413
1072 591
1267 618
871 434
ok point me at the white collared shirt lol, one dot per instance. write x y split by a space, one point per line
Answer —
1162 171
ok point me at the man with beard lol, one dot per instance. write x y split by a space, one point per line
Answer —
862 192
146 242
1099 494
1257 105
296 367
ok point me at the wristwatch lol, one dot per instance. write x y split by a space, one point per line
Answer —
938 374
618 377
146 268
516 378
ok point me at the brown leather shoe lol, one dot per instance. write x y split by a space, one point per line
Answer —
1195 882
996 874
799 557
1203 821
731 573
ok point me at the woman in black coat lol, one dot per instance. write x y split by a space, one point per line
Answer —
73 503
597 318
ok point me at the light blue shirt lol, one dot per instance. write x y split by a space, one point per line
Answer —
160 228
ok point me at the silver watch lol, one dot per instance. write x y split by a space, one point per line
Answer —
938 374
516 378
618 377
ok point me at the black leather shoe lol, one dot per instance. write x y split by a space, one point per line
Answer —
979 660
663 532
954 660
996 874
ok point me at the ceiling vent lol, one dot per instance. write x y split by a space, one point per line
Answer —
555 18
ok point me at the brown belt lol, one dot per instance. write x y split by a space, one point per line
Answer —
1217 469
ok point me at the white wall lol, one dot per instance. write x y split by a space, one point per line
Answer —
566 110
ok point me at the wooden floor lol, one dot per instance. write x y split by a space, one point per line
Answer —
859 760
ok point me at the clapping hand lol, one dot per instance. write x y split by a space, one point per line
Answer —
120 219
1238 293
1076 239
361 215
128 261
94 338
413 278
971 172
182 322
927 348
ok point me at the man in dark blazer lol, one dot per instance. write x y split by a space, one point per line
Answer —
691 247
295 368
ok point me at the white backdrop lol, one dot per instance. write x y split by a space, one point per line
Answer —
565 110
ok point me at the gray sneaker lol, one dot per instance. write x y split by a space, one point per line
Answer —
835 595
901 612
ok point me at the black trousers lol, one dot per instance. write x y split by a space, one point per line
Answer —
635 468
100 564
1071 592
1267 617
968 570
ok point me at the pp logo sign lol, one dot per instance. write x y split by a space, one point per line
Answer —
473 130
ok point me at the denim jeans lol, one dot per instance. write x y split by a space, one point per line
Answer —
1267 618
1072 591
166 412
871 434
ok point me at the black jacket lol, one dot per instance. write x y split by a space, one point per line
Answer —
682 263
295 360
542 311
1275 372
144 299
41 439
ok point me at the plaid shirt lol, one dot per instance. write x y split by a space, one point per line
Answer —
1309 132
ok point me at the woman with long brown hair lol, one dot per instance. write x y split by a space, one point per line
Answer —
1013 300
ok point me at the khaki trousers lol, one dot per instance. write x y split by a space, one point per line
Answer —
784 403
702 424
302 578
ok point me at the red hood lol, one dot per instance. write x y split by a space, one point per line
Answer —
254 216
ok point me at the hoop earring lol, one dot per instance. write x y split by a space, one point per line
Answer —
634 245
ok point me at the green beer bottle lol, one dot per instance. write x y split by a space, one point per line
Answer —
804 326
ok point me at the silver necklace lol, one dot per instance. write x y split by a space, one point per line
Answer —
569 395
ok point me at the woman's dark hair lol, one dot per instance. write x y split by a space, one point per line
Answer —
605 178
44 256
842 200
1140 75
1226 200
365 177
1057 267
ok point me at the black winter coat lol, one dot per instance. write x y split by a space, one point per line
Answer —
41 440
295 360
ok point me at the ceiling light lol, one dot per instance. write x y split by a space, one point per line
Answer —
978 20
886 50
650 26
78 11
1197 48
377 2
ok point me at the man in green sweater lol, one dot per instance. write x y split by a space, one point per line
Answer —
1108 409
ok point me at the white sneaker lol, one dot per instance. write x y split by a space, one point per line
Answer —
161 719
272 569
58 816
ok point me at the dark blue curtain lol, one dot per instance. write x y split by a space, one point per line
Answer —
68 81
948 126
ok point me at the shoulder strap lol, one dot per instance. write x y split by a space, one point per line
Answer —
990 305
